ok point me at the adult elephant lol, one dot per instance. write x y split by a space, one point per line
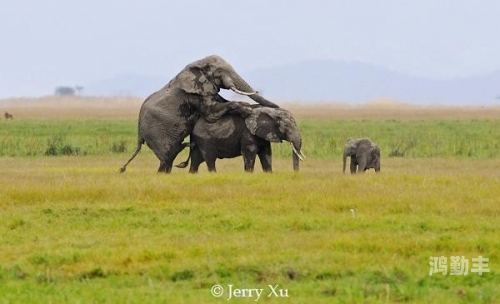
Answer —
168 115
232 136
364 155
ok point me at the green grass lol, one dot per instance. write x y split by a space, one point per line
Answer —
34 137
473 138
323 139
73 230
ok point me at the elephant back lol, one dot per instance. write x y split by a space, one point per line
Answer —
223 128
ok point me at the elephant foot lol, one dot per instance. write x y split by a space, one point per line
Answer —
164 168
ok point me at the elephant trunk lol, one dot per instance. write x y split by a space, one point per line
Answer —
344 159
240 86
297 154
295 159
377 165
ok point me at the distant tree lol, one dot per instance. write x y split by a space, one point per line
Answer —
78 89
65 91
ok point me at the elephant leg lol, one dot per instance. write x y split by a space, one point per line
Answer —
211 164
353 165
165 166
159 148
196 160
362 164
249 160
249 163
208 154
168 154
243 110
265 157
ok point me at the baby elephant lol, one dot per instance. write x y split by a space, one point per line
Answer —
232 136
364 155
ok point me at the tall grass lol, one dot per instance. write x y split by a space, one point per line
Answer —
322 139
478 139
90 137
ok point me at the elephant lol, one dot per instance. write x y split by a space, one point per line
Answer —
7 115
167 116
232 136
364 154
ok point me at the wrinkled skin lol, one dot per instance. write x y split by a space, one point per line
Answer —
169 115
364 155
232 136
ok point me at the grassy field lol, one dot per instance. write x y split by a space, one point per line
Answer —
73 230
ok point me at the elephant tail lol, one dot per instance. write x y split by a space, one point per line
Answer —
185 163
140 142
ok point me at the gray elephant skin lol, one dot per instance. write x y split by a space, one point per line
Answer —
167 116
364 154
232 136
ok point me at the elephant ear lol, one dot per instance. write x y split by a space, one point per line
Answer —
262 125
197 78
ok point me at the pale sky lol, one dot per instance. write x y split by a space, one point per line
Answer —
45 43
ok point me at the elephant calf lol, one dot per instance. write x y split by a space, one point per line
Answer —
232 136
364 155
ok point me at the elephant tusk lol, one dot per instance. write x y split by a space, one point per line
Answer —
299 154
234 89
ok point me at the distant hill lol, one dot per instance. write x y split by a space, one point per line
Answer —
357 83
349 82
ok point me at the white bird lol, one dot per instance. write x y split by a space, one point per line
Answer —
353 213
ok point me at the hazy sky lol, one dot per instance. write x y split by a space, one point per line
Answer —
47 43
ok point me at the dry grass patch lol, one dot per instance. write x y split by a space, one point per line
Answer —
127 107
